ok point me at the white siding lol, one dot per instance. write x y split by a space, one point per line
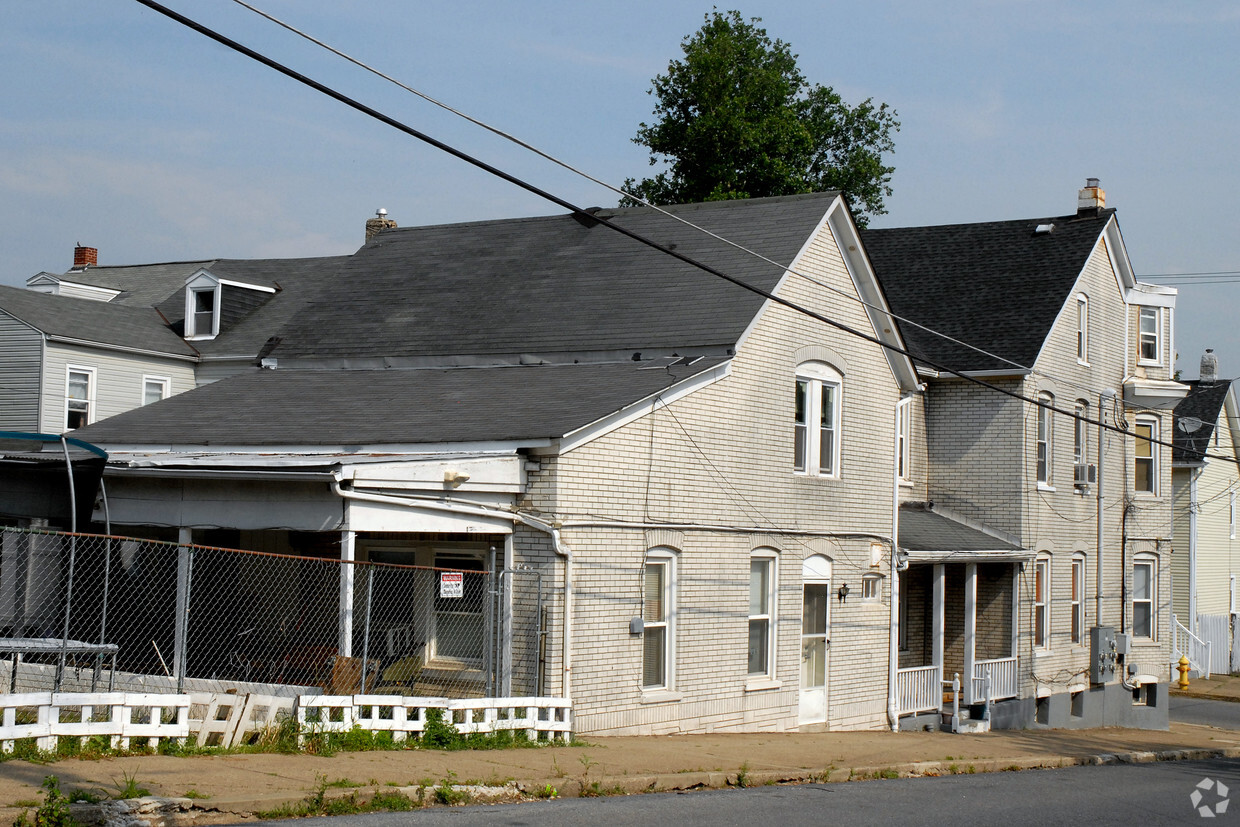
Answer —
20 357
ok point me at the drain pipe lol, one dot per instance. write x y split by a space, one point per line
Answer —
893 637
483 510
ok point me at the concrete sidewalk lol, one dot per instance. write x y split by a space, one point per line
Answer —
229 788
1215 687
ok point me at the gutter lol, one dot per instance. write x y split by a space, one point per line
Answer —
482 510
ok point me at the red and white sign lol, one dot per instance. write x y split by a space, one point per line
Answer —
451 584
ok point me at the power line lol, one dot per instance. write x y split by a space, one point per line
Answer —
638 198
592 219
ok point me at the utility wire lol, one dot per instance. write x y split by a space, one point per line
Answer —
637 198
590 219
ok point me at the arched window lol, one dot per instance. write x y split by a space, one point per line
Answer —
658 619
1045 439
819 388
1145 596
1042 602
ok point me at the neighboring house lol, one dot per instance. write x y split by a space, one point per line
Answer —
1075 520
702 479
1206 483
97 341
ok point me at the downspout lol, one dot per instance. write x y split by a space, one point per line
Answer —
1192 549
1103 397
893 637
482 510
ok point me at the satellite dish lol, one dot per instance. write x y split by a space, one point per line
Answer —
1189 424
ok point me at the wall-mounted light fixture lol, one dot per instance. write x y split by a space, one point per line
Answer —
843 593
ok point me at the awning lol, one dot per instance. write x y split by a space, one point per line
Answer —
930 534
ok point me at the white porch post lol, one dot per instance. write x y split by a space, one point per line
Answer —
970 628
348 545
1015 650
185 537
937 620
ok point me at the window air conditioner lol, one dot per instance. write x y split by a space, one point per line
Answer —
1085 475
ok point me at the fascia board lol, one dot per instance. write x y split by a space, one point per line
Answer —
1231 409
631 413
258 287
67 340
342 452
1122 276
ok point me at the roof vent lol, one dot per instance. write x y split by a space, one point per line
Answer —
1209 366
1043 229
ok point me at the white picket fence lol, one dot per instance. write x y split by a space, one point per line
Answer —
223 719
118 716
406 716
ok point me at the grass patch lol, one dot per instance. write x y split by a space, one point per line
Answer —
128 787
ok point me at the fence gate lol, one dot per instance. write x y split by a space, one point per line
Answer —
1216 630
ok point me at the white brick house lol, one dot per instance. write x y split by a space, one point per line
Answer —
707 477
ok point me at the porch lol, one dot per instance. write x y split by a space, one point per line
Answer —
957 619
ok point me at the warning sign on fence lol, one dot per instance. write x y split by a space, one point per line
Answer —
451 584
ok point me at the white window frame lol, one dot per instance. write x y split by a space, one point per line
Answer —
90 409
1144 312
764 614
165 386
871 587
663 561
1149 562
1080 434
1078 599
191 310
1082 329
811 379
1042 603
1151 460
903 442
1044 443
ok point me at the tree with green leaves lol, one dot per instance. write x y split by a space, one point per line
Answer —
736 118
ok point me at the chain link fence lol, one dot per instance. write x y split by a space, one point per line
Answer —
92 613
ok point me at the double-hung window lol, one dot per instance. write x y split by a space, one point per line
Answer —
1078 598
79 397
154 388
1145 456
1042 603
1045 439
902 441
1082 329
817 425
657 617
1080 434
1144 595
761 615
1149 336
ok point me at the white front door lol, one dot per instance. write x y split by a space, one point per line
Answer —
815 640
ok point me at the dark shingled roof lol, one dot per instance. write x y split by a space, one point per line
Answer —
1204 402
139 328
553 284
365 407
996 285
924 530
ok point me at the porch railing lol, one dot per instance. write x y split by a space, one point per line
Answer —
1003 682
920 689
1185 643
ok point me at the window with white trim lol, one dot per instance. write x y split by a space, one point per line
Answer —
202 316
903 428
657 615
79 397
1082 329
871 586
154 388
1144 596
1045 439
1078 598
1080 433
761 615
1149 336
1042 603
817 426
1145 456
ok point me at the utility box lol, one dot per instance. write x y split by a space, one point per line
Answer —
1123 644
1102 654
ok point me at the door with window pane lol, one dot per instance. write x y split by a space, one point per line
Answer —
815 639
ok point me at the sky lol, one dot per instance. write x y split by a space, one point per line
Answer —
123 130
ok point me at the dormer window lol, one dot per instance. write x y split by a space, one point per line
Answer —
202 306
204 310
1149 345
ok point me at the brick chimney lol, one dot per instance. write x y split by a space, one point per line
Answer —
84 257
378 224
1091 198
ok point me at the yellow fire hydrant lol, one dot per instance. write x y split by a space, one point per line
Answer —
1182 668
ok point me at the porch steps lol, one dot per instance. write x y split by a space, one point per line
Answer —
964 722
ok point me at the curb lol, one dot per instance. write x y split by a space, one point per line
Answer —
1205 696
153 811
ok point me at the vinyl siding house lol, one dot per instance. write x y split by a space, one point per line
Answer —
1205 485
703 479
1070 522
